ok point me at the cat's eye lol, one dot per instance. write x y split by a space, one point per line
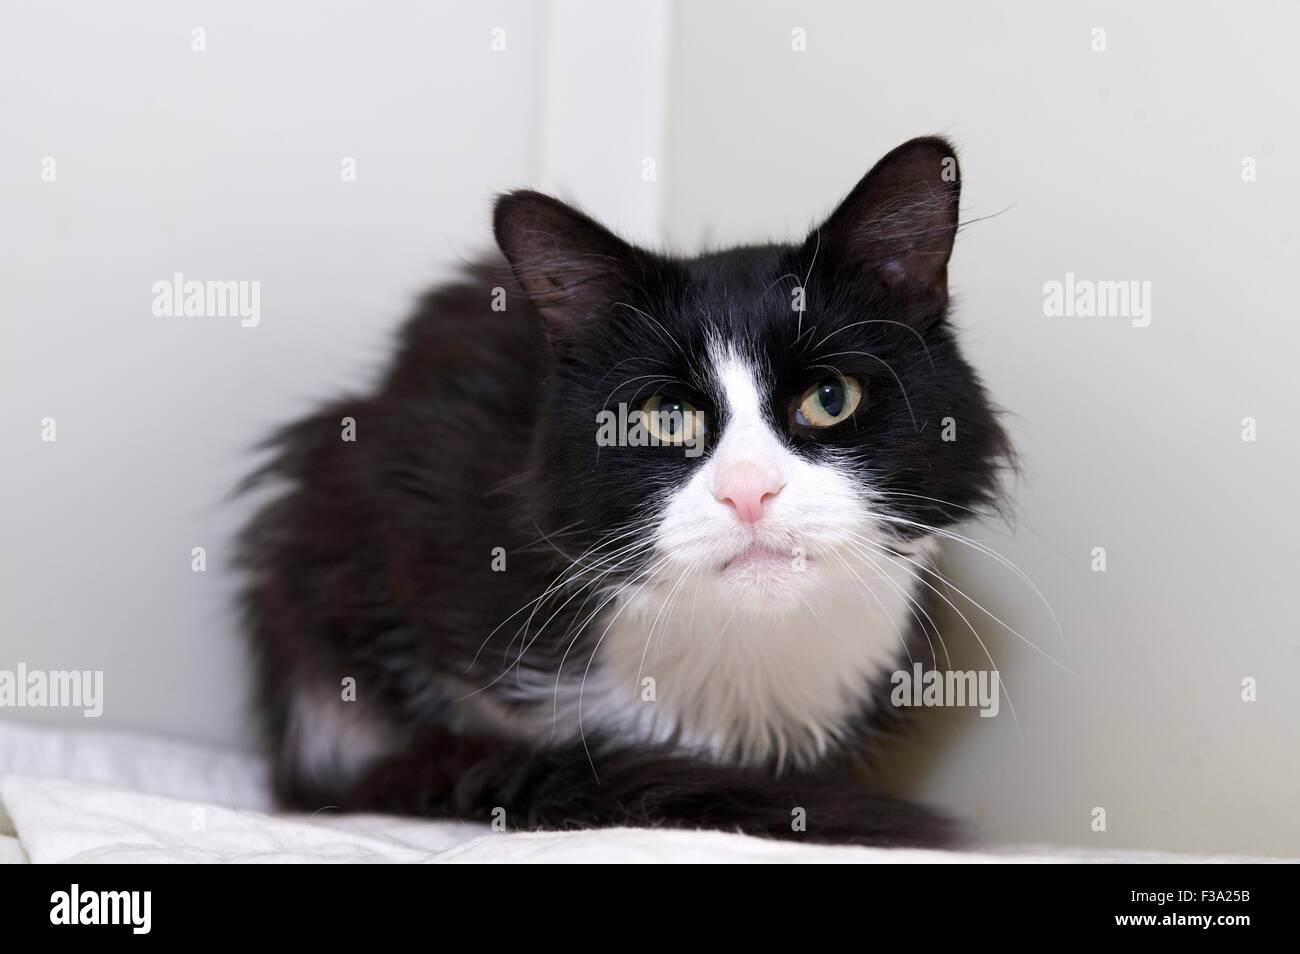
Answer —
672 420
829 401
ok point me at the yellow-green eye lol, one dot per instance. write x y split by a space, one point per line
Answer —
829 401
671 420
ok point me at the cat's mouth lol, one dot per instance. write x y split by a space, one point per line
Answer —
761 558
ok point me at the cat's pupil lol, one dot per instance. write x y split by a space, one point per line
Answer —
830 395
674 419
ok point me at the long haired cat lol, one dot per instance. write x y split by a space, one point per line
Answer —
630 539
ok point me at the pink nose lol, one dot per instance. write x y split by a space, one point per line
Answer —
745 486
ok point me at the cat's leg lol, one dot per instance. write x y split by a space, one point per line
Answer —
323 743
481 779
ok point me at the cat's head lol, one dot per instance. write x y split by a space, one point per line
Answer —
760 417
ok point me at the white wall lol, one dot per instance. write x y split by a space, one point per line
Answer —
1116 165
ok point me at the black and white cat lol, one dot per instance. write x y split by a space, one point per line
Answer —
479 608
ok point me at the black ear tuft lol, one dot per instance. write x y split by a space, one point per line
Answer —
898 224
570 266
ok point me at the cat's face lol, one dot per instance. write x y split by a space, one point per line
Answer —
758 423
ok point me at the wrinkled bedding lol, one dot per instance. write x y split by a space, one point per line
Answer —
95 796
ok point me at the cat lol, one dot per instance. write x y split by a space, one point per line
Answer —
469 606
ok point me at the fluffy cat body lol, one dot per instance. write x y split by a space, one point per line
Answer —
584 635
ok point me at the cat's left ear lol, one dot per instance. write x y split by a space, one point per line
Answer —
898 224
572 268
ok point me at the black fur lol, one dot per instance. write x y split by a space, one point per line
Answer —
553 788
375 563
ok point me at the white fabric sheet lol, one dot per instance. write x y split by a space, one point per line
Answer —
97 796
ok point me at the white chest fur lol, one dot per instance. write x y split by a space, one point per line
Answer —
681 666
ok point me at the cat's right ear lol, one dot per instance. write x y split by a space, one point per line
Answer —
571 267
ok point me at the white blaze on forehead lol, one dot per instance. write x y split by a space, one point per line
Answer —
747 435
739 380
